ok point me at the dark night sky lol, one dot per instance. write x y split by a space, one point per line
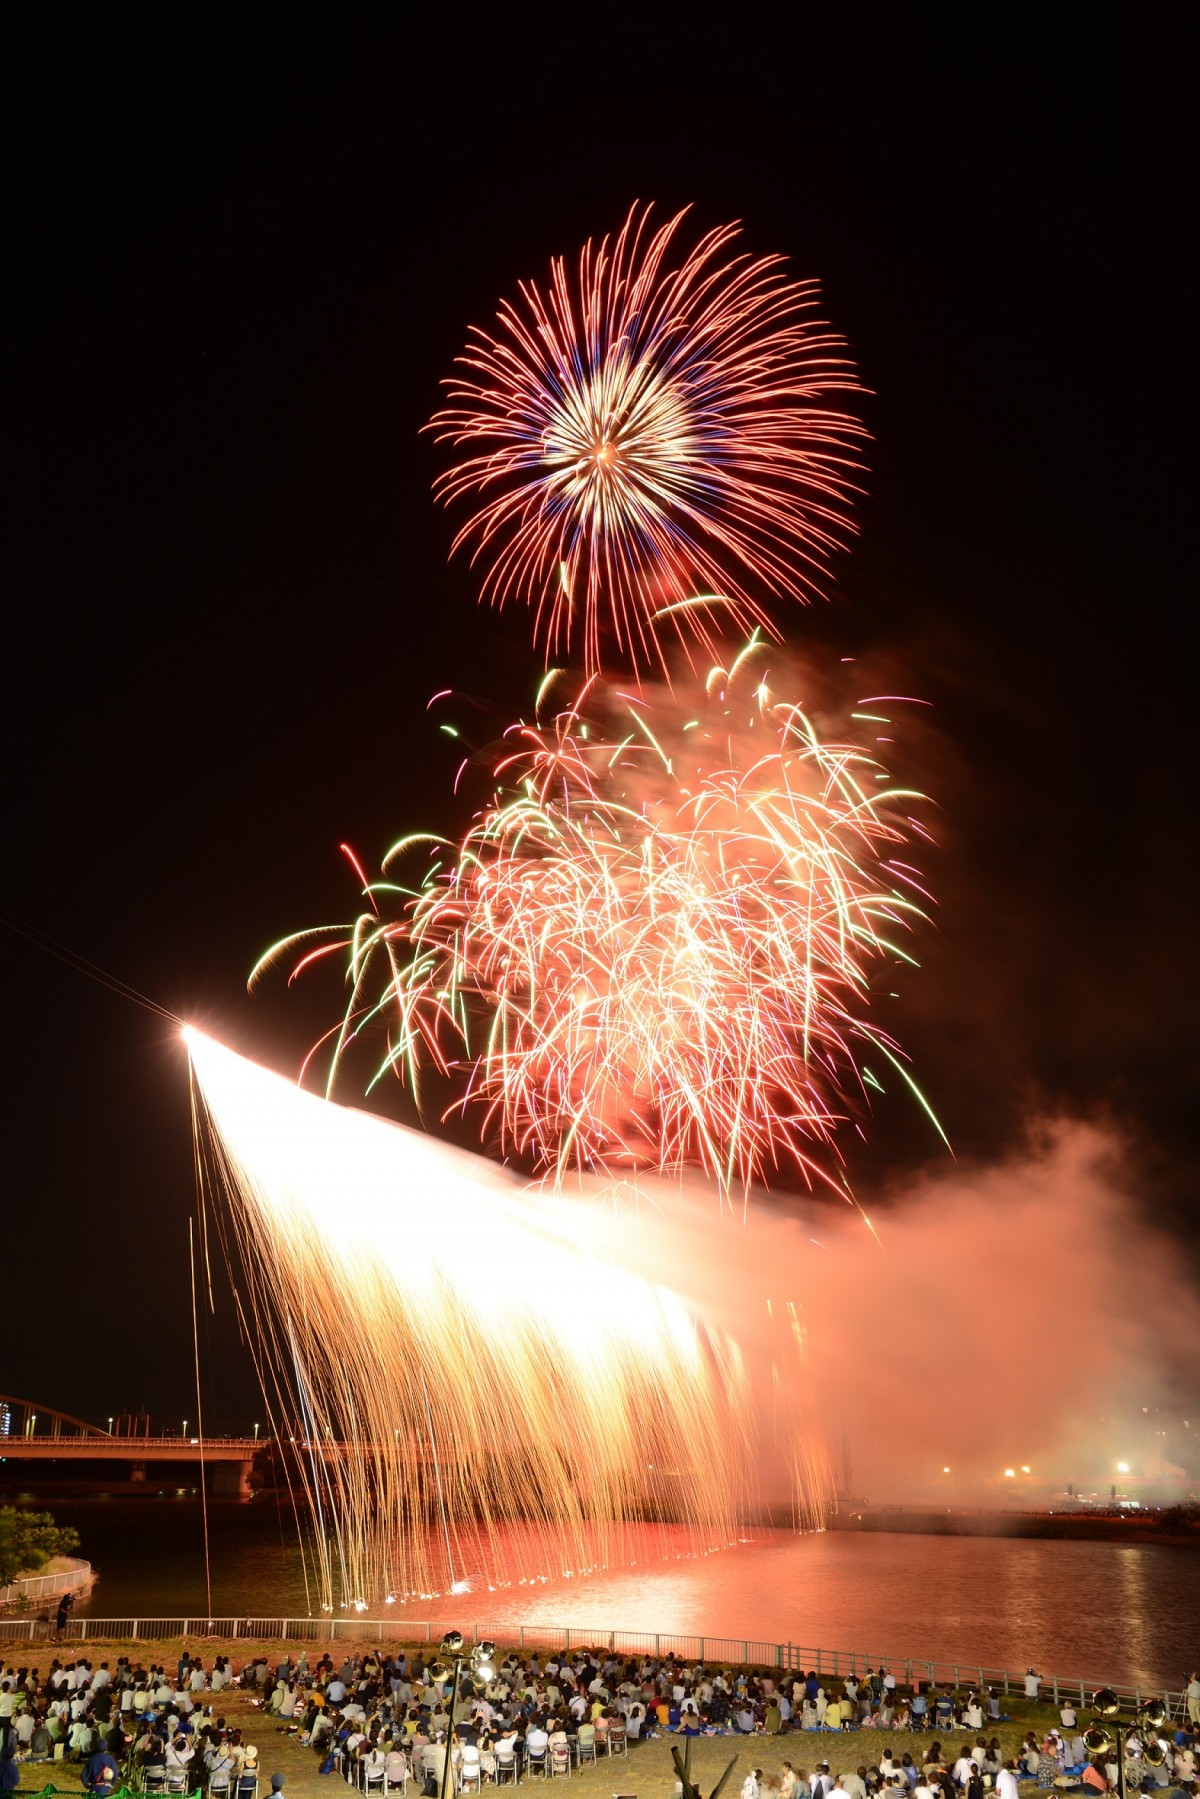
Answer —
243 246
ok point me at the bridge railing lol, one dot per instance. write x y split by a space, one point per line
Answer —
134 1447
829 1664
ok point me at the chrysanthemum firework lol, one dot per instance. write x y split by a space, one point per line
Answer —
650 440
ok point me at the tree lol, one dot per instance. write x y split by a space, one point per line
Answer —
29 1539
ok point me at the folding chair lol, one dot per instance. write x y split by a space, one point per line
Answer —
560 1760
506 1766
470 1773
618 1742
537 1761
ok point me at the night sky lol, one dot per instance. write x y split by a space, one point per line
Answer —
243 247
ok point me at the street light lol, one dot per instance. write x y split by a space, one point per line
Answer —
480 1659
256 1433
1112 1734
110 1425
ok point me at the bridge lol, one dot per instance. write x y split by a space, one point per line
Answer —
64 1438
229 1457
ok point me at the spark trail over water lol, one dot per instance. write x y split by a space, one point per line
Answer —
449 1348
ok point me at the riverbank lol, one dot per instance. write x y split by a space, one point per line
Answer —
1072 1527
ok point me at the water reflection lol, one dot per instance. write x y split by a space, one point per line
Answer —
1092 1610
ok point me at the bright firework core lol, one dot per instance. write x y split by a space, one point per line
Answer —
452 1354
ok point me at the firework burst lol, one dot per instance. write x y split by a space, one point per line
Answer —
651 439
655 947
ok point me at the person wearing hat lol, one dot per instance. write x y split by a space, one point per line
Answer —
247 1781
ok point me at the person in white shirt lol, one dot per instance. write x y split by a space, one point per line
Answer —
750 1786
1032 1681
79 1738
1006 1783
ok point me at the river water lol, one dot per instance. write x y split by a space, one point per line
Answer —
1098 1611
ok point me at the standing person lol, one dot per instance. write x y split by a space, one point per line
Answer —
1193 1698
63 1613
8 1705
1032 1681
10 1774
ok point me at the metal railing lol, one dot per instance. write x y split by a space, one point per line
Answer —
46 1586
835 1664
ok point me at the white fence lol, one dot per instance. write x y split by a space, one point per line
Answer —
727 1651
33 1589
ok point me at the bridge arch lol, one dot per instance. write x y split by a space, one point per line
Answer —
25 1418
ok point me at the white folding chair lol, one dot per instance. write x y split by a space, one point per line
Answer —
470 1775
506 1766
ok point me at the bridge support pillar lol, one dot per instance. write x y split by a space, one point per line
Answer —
231 1480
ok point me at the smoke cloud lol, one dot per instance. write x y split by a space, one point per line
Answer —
1024 1315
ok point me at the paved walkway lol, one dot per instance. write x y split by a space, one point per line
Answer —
278 1752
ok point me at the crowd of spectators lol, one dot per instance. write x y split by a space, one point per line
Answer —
121 1721
383 1720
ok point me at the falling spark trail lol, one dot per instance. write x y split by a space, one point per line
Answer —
404 1294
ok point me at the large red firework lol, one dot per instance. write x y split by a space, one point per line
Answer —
650 441
659 945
